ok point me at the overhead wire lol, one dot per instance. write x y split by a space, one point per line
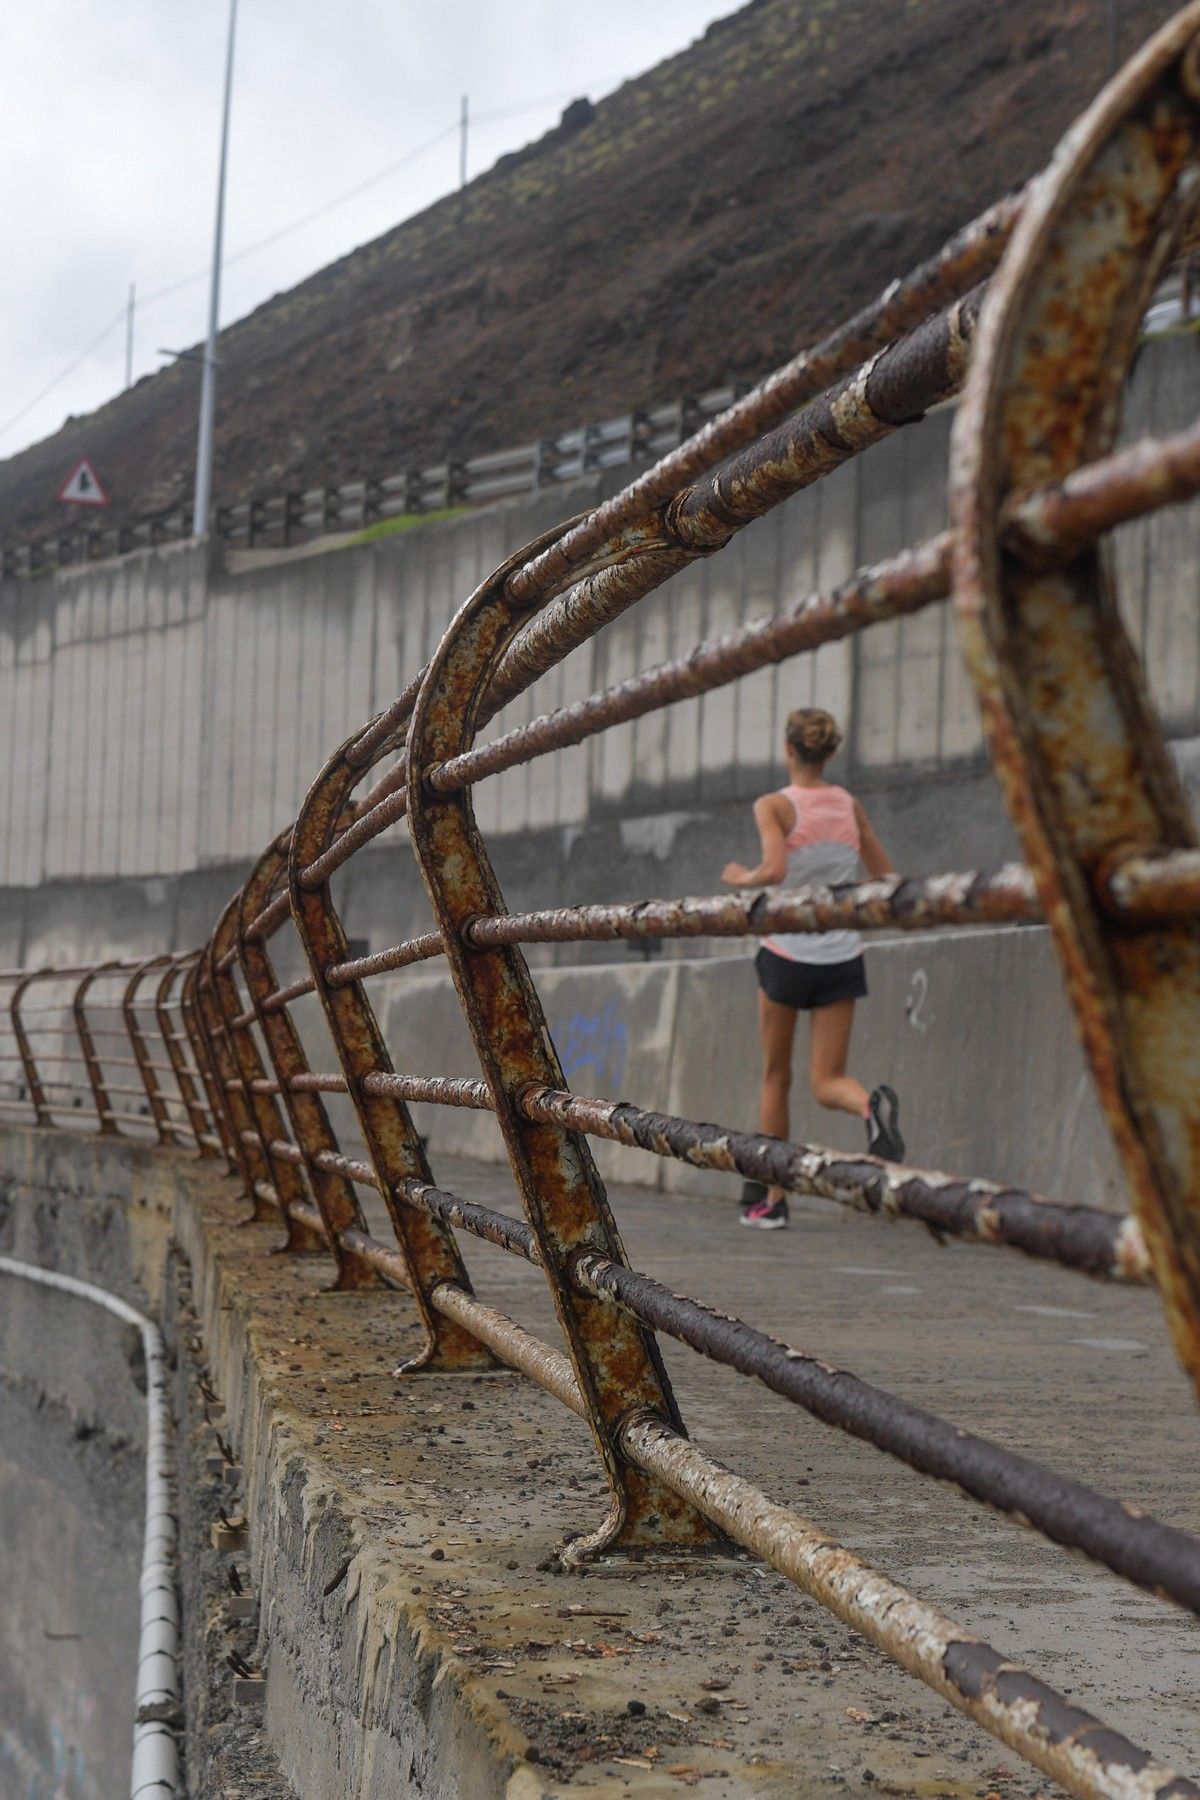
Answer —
171 288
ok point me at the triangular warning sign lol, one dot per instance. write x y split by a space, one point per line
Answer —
82 487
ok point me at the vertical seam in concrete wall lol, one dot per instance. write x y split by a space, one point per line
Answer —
854 721
675 984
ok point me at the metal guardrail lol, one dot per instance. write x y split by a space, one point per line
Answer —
1041 353
277 521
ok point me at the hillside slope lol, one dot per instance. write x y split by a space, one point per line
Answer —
705 220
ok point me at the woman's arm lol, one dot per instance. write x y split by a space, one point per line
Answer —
772 836
875 858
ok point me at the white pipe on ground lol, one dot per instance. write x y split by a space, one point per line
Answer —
155 1773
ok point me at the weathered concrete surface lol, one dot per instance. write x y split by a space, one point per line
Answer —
72 1474
413 1646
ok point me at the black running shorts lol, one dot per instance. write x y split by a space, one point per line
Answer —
808 985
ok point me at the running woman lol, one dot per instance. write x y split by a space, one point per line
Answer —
813 834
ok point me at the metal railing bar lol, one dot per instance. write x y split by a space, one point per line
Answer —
350 1167
360 968
1119 487
296 990
912 374
1137 1547
1155 889
497 1228
1039 1724
67 1087
76 971
888 390
129 1062
1078 1237
367 826
438 1090
277 910
890 903
968 256
523 1352
1056 522
916 577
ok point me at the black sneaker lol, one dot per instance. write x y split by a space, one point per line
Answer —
766 1217
753 1194
883 1126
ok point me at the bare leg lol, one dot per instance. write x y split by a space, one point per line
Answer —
829 1047
777 1031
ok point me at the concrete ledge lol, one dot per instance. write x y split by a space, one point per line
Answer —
408 1634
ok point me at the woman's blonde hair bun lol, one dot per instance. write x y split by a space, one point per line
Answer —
813 734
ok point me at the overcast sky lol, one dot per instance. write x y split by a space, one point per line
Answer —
109 125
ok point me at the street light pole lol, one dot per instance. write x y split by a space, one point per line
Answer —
129 335
208 384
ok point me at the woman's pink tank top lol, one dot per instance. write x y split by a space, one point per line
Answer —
823 849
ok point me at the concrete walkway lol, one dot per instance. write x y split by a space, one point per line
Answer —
1076 1373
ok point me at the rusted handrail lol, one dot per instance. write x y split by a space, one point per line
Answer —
1112 867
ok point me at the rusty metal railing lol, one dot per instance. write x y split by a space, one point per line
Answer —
1031 313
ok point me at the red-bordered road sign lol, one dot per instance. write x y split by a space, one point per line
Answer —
82 486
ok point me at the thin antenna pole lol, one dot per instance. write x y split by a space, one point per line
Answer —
208 384
129 335
463 123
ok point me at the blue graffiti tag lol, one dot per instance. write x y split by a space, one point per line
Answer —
596 1041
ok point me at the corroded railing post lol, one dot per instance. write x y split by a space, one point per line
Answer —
33 1080
87 1045
173 1042
394 1146
616 1361
334 1194
1074 738
244 1142
261 1122
195 1026
141 1052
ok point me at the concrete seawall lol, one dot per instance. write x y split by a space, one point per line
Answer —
161 720
72 1433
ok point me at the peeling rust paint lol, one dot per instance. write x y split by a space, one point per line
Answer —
1039 1724
393 1143
1078 1237
616 1366
337 1202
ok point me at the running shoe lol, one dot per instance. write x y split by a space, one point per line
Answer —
765 1216
883 1126
753 1192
